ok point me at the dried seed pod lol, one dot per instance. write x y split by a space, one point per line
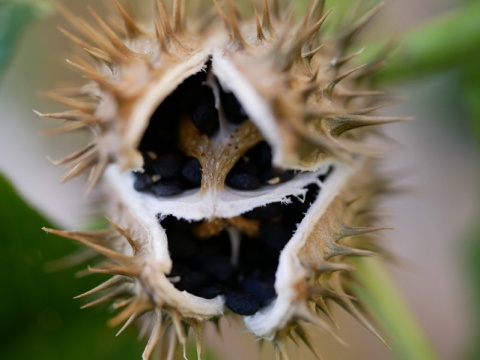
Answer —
235 171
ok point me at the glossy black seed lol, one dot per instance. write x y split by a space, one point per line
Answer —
181 246
219 267
194 93
260 155
274 235
241 303
192 171
192 280
161 134
242 181
266 212
262 291
142 182
205 118
168 166
167 188
232 108
209 292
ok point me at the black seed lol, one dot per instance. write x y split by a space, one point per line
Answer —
192 280
287 175
245 166
205 118
191 94
167 188
274 235
209 292
265 212
142 181
168 166
260 155
181 246
219 267
241 303
192 171
262 291
242 181
232 108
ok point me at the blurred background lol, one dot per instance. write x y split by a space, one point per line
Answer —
436 223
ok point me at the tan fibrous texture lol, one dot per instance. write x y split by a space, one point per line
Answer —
304 94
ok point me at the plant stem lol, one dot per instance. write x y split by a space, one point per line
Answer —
382 299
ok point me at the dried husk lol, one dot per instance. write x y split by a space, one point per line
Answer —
303 94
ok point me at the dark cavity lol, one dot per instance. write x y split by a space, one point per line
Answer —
206 267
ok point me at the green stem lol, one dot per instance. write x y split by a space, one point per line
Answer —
443 43
382 299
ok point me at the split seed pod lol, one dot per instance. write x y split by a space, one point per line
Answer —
232 153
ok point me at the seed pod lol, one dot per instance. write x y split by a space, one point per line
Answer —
234 162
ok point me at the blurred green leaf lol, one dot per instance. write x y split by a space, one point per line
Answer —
38 318
447 41
15 15
470 74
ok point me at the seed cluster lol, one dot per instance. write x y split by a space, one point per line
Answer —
255 169
167 171
208 267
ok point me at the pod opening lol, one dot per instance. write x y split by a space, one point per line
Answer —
235 257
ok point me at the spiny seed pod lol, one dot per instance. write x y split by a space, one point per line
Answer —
232 150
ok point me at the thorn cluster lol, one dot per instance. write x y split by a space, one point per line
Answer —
290 86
